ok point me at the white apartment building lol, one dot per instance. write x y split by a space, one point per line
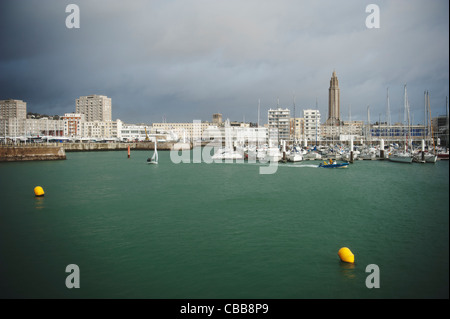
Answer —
133 132
94 107
143 132
240 134
312 125
73 124
43 127
297 128
189 131
102 129
278 124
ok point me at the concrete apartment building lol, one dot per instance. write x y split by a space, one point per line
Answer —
94 107
13 114
297 128
278 124
43 127
102 129
73 124
312 125
192 131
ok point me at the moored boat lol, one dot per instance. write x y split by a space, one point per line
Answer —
401 157
295 155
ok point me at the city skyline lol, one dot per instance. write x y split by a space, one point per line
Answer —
186 60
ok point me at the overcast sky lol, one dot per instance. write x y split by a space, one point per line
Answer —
181 60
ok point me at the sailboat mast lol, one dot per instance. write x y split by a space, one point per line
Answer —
316 119
431 124
388 111
259 105
368 125
425 126
293 140
446 110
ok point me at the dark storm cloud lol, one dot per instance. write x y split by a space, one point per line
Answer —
184 60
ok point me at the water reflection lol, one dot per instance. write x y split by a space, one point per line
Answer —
39 203
348 270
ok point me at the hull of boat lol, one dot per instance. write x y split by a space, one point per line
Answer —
401 159
430 159
339 165
295 158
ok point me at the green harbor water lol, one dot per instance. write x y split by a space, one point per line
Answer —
198 230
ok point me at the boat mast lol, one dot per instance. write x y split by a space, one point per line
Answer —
368 136
446 110
425 126
259 105
404 119
293 140
409 124
316 121
431 124
388 120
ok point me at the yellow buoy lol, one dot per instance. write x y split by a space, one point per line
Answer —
346 255
38 191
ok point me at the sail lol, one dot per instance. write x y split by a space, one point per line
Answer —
154 159
155 154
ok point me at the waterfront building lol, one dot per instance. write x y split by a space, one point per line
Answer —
333 101
94 107
363 133
101 130
312 128
240 135
440 126
43 127
297 128
73 124
133 132
13 109
13 114
278 121
397 132
188 131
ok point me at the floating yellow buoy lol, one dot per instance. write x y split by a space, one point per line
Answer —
38 191
346 255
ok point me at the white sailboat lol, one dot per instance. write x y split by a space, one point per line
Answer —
295 155
403 156
228 152
431 157
154 158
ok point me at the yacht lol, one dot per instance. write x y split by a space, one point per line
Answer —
295 155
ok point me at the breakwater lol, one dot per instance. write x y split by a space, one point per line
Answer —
57 151
31 153
163 146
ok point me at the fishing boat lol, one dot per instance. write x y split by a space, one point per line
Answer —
333 165
154 158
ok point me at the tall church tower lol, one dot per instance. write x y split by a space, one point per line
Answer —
333 101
